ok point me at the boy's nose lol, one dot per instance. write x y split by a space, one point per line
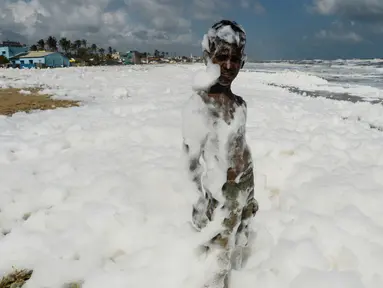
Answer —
226 64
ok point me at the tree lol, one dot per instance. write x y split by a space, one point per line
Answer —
3 60
93 48
84 42
78 43
41 44
33 47
110 50
76 46
65 44
82 53
102 52
52 43
73 48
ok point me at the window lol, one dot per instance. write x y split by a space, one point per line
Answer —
21 61
30 61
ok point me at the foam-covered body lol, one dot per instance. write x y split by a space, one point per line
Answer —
201 129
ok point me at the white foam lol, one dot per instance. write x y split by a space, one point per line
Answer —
226 33
98 193
206 78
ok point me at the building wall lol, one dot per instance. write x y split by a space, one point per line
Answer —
4 51
12 51
56 60
51 60
29 62
132 57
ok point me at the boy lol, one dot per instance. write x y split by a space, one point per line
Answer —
220 162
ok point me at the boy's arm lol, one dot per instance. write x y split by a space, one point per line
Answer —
194 140
194 135
193 152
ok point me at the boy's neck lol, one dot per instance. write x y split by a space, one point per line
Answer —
219 89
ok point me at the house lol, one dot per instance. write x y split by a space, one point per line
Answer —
10 49
40 59
116 56
131 57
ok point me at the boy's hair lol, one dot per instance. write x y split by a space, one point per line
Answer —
224 32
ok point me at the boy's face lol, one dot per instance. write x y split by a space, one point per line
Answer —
228 57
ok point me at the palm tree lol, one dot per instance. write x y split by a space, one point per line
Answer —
78 43
41 44
93 48
65 44
84 42
52 43
73 48
76 46
102 52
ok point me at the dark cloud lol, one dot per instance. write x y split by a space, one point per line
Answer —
104 22
357 10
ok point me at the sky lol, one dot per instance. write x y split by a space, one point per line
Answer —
276 29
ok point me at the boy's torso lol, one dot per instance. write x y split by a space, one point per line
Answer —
223 118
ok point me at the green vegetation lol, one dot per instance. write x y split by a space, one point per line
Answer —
3 60
16 279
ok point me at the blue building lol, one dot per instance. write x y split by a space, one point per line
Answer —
131 57
10 49
40 59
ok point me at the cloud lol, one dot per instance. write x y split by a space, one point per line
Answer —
365 16
358 10
256 5
208 9
104 22
245 4
258 8
338 36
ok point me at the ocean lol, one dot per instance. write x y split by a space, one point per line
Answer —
351 80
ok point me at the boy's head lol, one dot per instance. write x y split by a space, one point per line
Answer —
224 45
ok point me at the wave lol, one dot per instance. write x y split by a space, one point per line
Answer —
324 85
287 77
377 62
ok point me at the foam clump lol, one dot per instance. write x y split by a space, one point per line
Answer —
121 93
205 79
225 33
330 279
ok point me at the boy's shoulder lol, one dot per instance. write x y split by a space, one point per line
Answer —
240 101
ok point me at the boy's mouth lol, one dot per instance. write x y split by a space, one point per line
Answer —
227 75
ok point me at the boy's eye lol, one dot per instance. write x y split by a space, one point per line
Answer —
235 59
222 57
